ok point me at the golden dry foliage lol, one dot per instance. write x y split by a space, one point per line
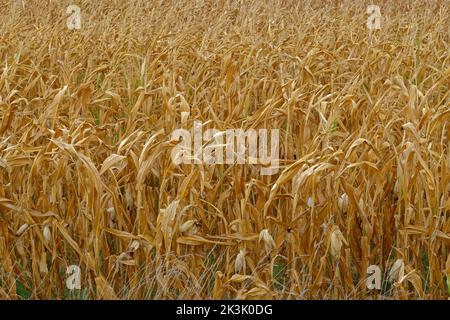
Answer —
86 176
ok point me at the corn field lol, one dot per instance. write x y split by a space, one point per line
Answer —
87 179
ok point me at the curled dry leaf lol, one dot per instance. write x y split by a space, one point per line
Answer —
397 271
266 238
240 263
